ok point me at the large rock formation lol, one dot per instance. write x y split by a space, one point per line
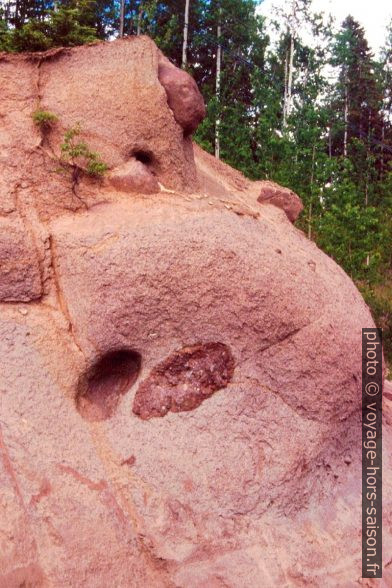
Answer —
180 378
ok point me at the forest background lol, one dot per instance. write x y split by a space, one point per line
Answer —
301 101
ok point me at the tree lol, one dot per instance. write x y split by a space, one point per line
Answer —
385 80
62 27
185 42
122 11
347 230
218 82
231 48
28 25
357 104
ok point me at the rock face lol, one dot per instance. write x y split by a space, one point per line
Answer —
181 368
20 278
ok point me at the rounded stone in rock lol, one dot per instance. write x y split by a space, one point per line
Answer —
283 198
183 95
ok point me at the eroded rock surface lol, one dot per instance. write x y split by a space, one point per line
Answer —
166 287
20 277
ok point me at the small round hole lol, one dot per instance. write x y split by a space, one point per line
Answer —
101 387
144 157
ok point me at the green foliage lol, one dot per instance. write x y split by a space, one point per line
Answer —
44 119
66 27
33 36
5 36
379 299
79 155
96 167
350 234
63 25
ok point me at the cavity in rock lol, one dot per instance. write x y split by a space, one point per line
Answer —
101 388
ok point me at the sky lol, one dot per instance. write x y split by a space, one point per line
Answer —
373 15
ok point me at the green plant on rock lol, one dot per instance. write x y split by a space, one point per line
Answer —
44 119
78 154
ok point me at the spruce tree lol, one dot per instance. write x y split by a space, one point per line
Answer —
357 105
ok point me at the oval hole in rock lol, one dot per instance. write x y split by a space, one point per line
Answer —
144 157
109 378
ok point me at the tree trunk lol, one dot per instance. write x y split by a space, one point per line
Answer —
139 19
17 22
382 163
289 66
311 193
345 117
217 90
122 11
286 65
185 41
290 76
367 178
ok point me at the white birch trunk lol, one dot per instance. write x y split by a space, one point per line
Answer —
345 118
311 194
185 42
217 91
290 76
286 64
289 67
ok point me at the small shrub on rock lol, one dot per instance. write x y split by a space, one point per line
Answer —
78 154
44 119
